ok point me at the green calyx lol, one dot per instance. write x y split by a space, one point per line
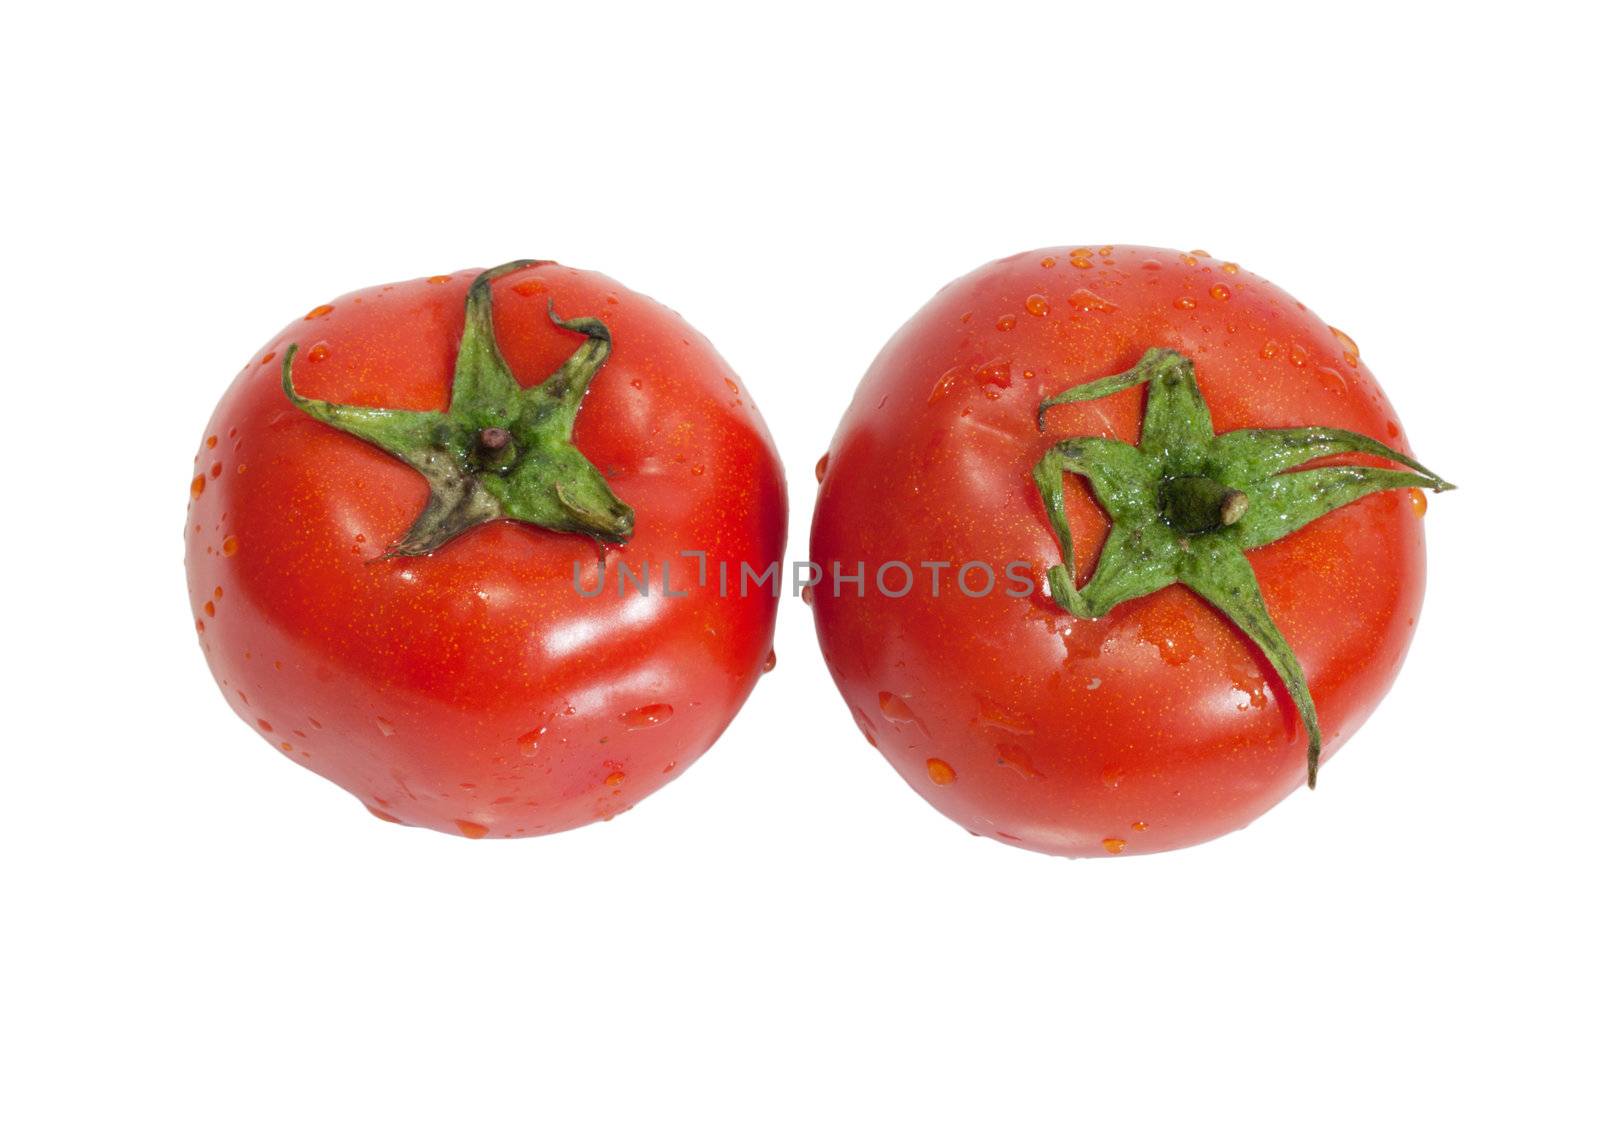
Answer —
1187 503
501 450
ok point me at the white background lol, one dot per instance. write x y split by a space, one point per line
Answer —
208 946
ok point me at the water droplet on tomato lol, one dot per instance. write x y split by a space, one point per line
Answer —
1297 355
265 725
230 546
529 287
646 716
1015 758
198 486
822 467
771 663
1081 262
211 441
894 707
940 771
1005 322
1086 300
268 357
438 279
1269 350
1352 353
1184 303
1419 503
1111 776
1037 305
385 727
528 743
472 829
1114 845
210 609
1221 293
318 352
382 816
614 778
319 312
1230 269
1140 826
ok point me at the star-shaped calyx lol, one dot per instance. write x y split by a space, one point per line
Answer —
501 450
1187 503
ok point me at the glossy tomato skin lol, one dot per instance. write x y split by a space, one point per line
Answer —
475 690
1157 726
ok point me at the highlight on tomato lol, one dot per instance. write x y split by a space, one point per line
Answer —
448 544
1119 546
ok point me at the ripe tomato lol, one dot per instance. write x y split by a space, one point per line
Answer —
385 620
1162 704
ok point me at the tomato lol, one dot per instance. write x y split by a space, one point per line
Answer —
1212 608
410 585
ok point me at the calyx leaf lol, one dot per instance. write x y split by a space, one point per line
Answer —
1186 504
501 450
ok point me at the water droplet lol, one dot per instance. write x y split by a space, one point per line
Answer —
318 352
1105 251
864 724
472 829
1080 253
732 386
1140 826
319 312
1111 776
1151 265
528 743
529 287
1093 684
1189 260
1037 306
994 373
940 771
646 716
230 546
198 486
822 467
211 441
1269 350
771 663
992 715
286 747
265 725
199 626
697 469
1352 353
1114 845
385 727
382 816
242 468
1419 503
894 707
1230 269
268 357
1047 262
1081 262
438 279
1221 293
1086 300
1014 757
1005 322
1297 355
614 778
808 595
1184 303
211 609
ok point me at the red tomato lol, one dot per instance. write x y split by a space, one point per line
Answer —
470 687
1158 724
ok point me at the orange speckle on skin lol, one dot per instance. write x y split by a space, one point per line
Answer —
940 772
472 829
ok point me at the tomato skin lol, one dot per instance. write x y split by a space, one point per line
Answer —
1159 725
475 690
